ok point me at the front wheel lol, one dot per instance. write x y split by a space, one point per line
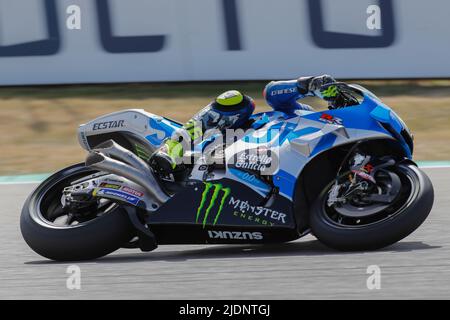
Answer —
60 235
370 225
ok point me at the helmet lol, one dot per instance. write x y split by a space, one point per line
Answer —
230 110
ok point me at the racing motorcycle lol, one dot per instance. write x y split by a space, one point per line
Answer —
345 175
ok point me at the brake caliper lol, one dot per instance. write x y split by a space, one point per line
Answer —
361 166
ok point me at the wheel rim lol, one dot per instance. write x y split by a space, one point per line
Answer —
48 205
407 193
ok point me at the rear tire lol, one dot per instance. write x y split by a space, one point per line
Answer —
89 240
384 232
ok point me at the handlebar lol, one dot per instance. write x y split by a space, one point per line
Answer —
347 95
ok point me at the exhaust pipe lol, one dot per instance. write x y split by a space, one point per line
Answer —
145 179
115 150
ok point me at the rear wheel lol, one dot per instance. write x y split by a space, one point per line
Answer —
361 224
58 234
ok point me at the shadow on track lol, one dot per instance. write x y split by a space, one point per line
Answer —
303 248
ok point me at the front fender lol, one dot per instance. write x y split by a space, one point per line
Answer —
392 123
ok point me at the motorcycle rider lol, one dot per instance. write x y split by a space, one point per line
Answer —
232 110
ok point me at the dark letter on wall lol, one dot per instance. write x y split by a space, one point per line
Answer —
44 47
116 44
336 40
231 25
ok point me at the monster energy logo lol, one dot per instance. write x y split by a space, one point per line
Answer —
217 191
141 152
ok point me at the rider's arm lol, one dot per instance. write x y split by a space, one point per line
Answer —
283 95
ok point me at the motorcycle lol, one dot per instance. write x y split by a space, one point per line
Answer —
345 175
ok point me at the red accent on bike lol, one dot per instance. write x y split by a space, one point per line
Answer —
326 117
368 167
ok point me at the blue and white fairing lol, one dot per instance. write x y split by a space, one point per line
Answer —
149 129
298 139
293 139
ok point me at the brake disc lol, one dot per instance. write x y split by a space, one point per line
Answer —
392 186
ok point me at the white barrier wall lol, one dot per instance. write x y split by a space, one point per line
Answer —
176 40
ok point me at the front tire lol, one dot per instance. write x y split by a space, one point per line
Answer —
395 226
88 240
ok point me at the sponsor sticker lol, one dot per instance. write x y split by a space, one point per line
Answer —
261 160
259 212
132 191
252 218
250 179
235 235
109 185
253 162
213 199
283 91
108 125
84 140
112 193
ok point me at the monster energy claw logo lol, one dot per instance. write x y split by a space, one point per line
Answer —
141 152
217 190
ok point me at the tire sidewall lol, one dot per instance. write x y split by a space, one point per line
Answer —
94 239
383 233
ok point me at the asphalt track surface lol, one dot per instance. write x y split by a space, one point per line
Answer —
417 267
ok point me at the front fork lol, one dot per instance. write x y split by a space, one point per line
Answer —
362 170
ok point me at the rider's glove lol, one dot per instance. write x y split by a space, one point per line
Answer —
328 92
311 85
